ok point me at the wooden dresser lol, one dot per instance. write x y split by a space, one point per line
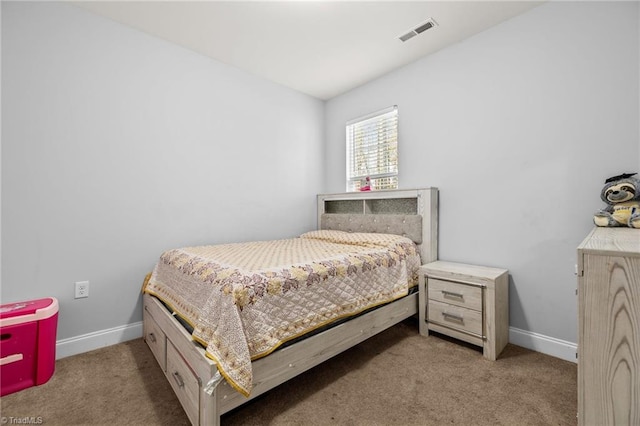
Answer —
609 327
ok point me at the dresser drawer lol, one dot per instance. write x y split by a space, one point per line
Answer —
156 339
184 383
458 294
452 316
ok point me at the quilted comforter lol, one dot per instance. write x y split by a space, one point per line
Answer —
244 300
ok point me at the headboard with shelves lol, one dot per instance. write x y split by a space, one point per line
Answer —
411 212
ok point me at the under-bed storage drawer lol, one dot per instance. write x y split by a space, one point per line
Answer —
155 338
184 383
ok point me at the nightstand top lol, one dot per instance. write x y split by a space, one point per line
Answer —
452 270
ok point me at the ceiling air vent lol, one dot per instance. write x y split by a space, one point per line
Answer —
429 23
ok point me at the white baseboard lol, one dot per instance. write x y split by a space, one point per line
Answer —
544 344
96 340
87 342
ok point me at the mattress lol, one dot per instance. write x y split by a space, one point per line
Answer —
244 300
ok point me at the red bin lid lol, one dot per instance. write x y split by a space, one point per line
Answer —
24 308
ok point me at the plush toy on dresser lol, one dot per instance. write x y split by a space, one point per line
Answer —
622 195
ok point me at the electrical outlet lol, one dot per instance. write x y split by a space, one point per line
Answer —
82 289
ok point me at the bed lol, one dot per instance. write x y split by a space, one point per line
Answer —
220 349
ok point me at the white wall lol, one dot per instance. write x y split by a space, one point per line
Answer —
117 146
518 127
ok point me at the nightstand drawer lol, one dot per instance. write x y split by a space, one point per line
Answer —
452 316
463 295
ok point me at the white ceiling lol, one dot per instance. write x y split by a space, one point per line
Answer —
321 48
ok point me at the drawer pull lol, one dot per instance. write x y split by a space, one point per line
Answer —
11 358
178 379
152 337
453 317
446 293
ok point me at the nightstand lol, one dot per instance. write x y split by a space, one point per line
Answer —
467 302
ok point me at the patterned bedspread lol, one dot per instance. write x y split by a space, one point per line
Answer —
244 300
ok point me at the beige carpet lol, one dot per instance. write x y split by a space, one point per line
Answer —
395 378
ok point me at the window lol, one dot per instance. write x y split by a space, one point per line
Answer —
372 150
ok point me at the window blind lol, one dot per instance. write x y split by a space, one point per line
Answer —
372 150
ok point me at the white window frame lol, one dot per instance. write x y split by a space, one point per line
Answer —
376 149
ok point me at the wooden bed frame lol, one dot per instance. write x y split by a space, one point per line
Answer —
205 396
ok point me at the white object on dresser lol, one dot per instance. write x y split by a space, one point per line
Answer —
609 327
468 302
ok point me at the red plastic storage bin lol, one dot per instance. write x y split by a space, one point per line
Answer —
27 343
